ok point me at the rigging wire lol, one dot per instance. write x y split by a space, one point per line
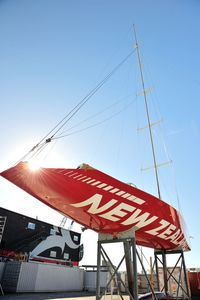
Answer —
98 113
37 146
142 254
94 125
91 93
77 107
173 175
38 151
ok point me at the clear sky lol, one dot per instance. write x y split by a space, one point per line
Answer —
53 52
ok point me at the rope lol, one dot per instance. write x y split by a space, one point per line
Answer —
75 110
94 125
89 95
98 113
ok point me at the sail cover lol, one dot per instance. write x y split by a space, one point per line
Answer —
103 203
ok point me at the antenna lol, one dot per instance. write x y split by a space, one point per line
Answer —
147 113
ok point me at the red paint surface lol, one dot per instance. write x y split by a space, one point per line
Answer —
60 189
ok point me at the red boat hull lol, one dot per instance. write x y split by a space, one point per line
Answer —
103 203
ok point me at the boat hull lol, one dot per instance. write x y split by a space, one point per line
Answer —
103 203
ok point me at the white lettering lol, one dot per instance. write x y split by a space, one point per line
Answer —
118 212
182 242
167 232
155 231
176 242
94 201
136 200
141 220
185 245
173 236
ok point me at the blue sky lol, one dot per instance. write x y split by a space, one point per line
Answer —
53 52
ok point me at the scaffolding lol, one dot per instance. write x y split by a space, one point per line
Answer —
130 257
180 283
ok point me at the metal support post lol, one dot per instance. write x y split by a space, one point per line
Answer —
165 272
131 263
135 276
170 274
157 274
129 267
98 291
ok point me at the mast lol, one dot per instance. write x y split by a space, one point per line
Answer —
147 114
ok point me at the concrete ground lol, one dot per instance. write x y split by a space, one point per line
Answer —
52 296
63 296
59 296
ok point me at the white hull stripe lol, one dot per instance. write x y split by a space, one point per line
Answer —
80 178
86 179
90 181
72 175
68 173
108 187
105 187
126 195
135 199
120 193
114 190
100 186
95 183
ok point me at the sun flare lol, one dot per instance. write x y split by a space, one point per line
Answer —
34 165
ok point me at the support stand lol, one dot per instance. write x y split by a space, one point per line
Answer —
130 256
160 256
131 265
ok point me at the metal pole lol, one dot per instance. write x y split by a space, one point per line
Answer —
151 276
101 253
157 274
148 115
135 276
98 291
165 272
129 267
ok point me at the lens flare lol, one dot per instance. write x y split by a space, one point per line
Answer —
33 165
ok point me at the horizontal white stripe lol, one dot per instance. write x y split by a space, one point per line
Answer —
86 179
114 190
72 174
135 199
120 193
81 177
68 172
61 171
101 185
126 195
77 176
92 180
107 188
97 182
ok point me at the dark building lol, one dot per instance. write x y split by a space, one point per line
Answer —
31 239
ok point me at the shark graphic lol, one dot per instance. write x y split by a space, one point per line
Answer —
55 241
